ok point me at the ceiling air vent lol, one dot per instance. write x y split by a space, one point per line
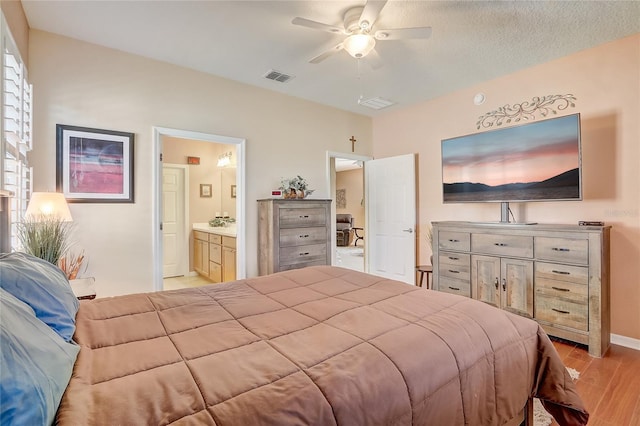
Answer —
375 103
278 76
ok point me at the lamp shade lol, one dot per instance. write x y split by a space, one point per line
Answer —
48 204
359 45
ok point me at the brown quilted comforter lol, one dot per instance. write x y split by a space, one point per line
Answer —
316 346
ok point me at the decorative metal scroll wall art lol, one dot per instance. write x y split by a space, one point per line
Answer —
526 110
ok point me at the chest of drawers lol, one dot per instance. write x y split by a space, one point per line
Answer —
555 274
293 234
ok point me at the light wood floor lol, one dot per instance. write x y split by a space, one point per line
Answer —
609 386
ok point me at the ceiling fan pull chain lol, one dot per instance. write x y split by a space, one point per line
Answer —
361 98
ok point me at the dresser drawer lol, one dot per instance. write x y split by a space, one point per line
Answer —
302 217
302 236
562 250
454 286
215 238
562 290
215 253
454 259
502 245
302 265
567 273
460 272
450 240
562 312
301 254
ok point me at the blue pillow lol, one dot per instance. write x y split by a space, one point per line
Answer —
36 365
42 286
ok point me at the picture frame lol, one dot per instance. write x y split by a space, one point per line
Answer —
94 165
206 190
233 191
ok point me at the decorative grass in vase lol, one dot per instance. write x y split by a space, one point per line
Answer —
46 237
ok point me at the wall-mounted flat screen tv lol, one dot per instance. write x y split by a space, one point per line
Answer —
538 161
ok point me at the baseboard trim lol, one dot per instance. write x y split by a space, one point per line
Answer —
627 342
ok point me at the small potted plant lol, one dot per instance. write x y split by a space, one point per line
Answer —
296 187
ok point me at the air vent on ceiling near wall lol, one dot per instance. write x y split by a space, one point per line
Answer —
278 76
375 103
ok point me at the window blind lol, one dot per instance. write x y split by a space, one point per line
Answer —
16 128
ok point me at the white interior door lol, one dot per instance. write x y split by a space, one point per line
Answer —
390 188
173 222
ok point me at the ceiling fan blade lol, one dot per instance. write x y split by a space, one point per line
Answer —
324 55
374 60
403 33
317 25
370 13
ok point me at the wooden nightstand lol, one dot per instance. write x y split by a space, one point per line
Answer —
84 288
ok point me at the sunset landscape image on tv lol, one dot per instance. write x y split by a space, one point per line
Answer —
536 161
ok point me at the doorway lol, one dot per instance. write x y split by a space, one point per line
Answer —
237 147
346 182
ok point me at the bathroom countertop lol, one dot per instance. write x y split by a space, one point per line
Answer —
227 231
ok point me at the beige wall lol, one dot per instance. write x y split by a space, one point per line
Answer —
606 82
17 21
81 84
353 182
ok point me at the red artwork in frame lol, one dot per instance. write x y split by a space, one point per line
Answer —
93 165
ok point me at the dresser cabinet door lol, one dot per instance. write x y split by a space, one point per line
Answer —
517 286
485 279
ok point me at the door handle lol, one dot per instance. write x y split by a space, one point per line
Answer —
408 230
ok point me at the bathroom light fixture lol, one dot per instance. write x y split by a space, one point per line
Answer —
359 45
225 159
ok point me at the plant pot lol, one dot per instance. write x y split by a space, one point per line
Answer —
300 193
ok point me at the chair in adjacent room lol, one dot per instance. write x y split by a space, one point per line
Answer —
344 226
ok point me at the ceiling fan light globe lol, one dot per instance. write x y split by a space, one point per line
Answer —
359 45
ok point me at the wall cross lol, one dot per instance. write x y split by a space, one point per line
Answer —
353 144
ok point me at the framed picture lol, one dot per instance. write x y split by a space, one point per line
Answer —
205 190
233 191
93 165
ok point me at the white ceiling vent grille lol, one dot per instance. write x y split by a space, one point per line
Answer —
278 76
375 103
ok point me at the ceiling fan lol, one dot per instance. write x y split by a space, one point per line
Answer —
361 38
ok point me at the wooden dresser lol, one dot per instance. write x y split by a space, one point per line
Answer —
293 234
555 274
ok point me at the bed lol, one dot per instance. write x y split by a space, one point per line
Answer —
315 346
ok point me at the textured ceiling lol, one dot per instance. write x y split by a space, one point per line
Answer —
472 41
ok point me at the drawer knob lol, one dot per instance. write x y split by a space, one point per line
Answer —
560 311
555 271
497 283
454 272
504 284
304 236
454 258
560 249
500 244
454 241
560 289
454 288
306 216
304 254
